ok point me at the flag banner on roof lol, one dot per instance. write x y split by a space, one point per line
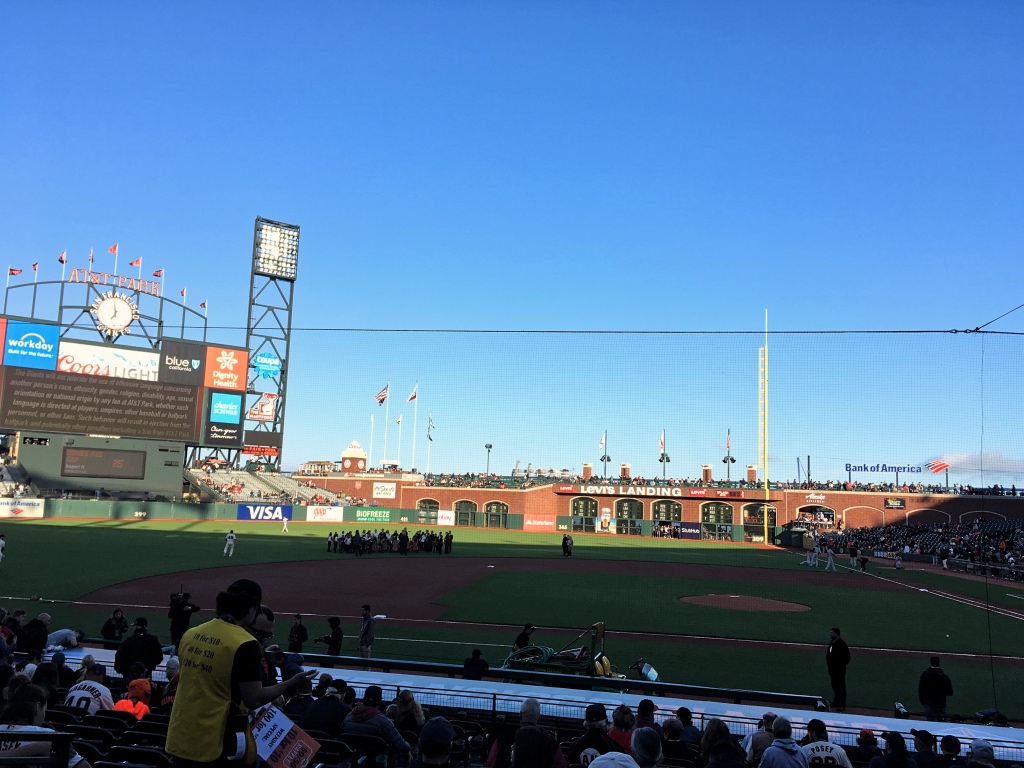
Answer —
413 395
382 396
136 263
113 249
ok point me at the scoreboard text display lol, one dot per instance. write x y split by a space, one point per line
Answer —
186 392
110 463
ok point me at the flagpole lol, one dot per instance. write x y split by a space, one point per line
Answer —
63 266
415 411
369 458
387 421
116 249
430 417
399 459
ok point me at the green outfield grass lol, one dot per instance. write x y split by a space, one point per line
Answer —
63 560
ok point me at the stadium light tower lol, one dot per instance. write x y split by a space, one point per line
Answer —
275 265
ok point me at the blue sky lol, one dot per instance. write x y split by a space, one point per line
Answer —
587 166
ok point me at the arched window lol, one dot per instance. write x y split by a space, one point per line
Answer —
427 505
496 514
753 514
465 513
670 511
629 509
584 506
716 512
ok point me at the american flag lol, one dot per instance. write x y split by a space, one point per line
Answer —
382 395
937 466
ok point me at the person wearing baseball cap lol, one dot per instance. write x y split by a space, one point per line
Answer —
867 747
595 741
896 754
523 638
924 748
981 754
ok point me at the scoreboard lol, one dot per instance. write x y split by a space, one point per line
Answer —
183 391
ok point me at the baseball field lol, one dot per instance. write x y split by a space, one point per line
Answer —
717 614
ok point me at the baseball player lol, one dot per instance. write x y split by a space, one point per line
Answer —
831 562
3 543
229 544
285 529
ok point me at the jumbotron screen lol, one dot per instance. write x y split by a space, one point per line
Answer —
183 392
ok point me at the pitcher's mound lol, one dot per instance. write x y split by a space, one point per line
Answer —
744 603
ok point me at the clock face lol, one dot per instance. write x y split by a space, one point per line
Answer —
114 313
347 463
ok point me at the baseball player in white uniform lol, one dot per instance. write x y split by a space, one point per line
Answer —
229 544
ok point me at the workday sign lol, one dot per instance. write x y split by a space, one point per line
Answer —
276 512
31 345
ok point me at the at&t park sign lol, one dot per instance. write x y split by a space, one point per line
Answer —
152 287
669 492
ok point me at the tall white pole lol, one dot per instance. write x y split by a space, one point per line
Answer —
415 413
369 457
387 421
428 456
399 459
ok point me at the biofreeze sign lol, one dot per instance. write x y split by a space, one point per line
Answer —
277 512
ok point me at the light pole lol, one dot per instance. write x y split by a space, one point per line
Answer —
728 460
488 446
664 459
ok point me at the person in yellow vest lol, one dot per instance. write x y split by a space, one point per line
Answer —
219 683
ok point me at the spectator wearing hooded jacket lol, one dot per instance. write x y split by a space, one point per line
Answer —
366 719
932 690
784 751
140 647
595 741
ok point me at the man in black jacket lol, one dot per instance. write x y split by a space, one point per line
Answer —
141 647
837 657
334 638
180 614
35 634
297 635
932 690
595 741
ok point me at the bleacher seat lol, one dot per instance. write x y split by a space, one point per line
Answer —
151 756
117 714
88 750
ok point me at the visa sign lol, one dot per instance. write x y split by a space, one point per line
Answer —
276 512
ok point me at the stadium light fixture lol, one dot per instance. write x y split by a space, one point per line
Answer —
488 446
276 249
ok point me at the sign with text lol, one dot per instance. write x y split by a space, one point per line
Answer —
21 509
264 408
105 360
31 345
276 512
538 523
325 514
182 362
891 503
52 401
280 742
259 450
373 515
223 420
384 490
446 517
226 368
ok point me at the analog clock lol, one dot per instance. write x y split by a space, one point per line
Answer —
114 312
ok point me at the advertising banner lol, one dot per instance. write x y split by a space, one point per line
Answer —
891 503
264 408
688 530
373 515
115 362
384 490
276 512
280 742
259 450
226 368
446 517
182 362
224 420
21 509
538 523
267 365
31 345
325 514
